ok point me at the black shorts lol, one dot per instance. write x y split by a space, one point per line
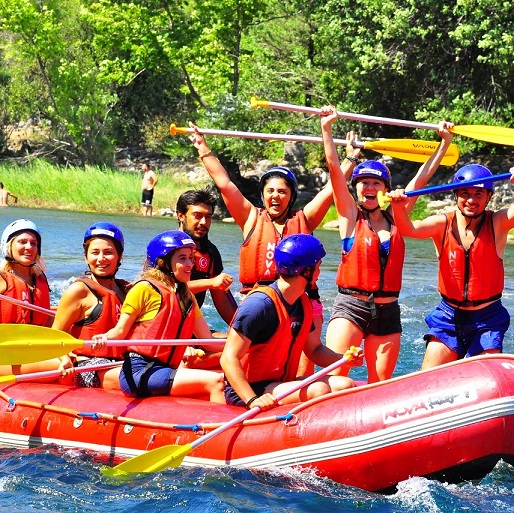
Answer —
147 197
385 322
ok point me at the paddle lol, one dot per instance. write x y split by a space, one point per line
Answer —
493 134
26 304
383 199
173 455
12 378
413 150
27 343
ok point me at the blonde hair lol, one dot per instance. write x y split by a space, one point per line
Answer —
37 269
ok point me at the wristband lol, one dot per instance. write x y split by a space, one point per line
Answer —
355 160
207 154
250 401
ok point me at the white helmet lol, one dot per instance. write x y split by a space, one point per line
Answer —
21 225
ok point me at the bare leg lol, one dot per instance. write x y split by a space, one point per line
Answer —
437 353
381 353
341 335
197 383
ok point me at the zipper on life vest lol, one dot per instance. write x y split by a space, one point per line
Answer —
466 274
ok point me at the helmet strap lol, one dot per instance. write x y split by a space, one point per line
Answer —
308 273
369 210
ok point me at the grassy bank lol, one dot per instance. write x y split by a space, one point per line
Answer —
89 189
92 189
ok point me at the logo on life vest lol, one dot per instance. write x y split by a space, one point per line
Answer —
203 263
270 259
420 406
25 296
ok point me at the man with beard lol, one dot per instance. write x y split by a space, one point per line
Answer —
194 212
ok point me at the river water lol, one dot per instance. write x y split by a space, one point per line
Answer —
52 480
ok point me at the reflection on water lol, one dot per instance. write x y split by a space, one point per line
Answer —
62 234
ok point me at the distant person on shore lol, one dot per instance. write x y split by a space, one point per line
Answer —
148 185
263 228
194 212
4 196
470 242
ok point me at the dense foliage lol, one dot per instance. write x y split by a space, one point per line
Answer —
98 74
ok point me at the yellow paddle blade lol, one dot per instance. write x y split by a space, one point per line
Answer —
416 150
7 380
167 456
26 343
493 134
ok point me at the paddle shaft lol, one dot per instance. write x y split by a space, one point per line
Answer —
163 342
257 135
26 304
457 185
414 150
346 115
55 373
250 413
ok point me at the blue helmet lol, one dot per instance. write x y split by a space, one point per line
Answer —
474 172
372 168
106 230
287 175
18 226
297 252
165 243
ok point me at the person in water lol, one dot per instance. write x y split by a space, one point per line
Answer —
91 305
470 243
369 276
161 306
271 328
264 227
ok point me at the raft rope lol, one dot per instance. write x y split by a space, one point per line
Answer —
99 416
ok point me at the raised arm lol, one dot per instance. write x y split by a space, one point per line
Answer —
238 206
430 227
343 200
427 170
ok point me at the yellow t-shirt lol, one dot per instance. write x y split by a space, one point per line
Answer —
143 300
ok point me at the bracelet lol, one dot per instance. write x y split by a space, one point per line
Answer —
355 160
250 401
207 154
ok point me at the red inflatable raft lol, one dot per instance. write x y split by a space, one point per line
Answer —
453 422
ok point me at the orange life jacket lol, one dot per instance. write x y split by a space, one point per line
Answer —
277 359
169 323
474 276
18 289
110 307
361 269
256 258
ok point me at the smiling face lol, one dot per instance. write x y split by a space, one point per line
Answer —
182 262
196 221
102 257
472 201
367 189
24 248
276 196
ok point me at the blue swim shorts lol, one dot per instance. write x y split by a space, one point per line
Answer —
468 332
143 377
